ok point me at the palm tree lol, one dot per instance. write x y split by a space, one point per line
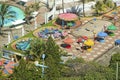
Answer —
5 13
28 12
83 2
63 6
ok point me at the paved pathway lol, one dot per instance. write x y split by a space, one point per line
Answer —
98 49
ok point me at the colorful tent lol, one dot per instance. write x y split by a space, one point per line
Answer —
1 63
68 40
80 40
84 37
102 34
111 27
117 41
68 16
89 42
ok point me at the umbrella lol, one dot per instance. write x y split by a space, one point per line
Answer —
111 27
79 40
68 40
102 34
64 33
117 41
46 31
84 37
89 42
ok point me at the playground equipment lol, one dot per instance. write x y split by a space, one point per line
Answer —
67 20
45 33
8 66
23 45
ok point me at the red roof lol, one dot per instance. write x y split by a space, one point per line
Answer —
68 16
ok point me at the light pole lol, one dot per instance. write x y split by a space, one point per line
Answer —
117 71
41 65
94 33
43 57
23 31
35 23
9 39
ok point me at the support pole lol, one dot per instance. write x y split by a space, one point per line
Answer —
116 70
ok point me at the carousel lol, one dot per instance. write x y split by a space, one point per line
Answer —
67 21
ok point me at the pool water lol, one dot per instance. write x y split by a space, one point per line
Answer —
19 15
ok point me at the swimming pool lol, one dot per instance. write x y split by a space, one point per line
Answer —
19 15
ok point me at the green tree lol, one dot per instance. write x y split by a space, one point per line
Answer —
5 13
99 7
104 6
109 3
83 2
115 59
26 71
53 54
28 12
37 48
63 6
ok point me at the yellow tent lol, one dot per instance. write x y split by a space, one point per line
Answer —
89 42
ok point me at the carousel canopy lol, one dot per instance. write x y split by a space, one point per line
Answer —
89 42
111 27
68 16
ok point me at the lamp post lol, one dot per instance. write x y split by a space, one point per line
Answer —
35 23
117 67
23 31
41 65
94 33
9 39
43 57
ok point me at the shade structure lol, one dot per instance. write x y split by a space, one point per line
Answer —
102 34
1 63
64 33
117 41
68 16
84 37
80 40
68 40
111 27
89 42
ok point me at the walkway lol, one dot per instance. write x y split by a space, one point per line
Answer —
99 49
